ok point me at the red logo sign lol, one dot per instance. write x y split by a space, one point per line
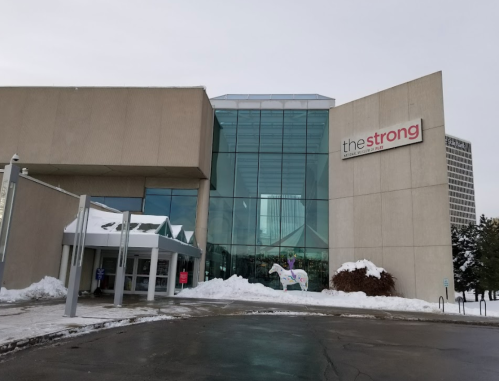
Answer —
183 277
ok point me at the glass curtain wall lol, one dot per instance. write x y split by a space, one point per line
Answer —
178 204
269 195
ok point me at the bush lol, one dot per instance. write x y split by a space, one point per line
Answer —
354 280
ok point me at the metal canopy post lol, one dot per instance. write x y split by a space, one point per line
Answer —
77 257
121 265
7 196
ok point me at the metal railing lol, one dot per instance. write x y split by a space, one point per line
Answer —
485 305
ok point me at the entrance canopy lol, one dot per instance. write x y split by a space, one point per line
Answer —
146 232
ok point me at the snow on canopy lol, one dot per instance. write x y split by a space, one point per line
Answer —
107 222
371 269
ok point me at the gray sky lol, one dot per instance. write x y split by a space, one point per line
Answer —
342 49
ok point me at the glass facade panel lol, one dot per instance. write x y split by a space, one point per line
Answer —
265 257
293 176
224 131
222 174
218 261
246 175
317 220
183 211
317 131
248 131
244 224
243 262
317 267
269 198
317 177
295 131
271 131
178 204
268 221
269 175
159 191
184 192
220 220
157 205
293 222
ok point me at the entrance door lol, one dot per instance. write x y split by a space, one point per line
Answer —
136 274
142 275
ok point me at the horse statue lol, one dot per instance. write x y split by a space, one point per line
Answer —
288 277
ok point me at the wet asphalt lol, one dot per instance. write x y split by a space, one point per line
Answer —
265 346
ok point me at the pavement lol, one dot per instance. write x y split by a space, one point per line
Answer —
30 323
250 346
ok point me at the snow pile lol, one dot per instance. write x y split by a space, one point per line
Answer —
371 269
238 288
47 288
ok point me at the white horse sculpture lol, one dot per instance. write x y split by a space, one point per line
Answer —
288 277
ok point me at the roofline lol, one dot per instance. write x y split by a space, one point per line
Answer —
455 137
76 87
273 104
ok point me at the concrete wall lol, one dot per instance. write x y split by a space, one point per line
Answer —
154 132
392 207
117 186
35 241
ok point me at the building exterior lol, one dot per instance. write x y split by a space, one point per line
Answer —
269 187
461 189
258 178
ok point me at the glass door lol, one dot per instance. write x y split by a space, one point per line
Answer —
136 274
142 280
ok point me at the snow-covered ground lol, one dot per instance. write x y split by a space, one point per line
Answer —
33 320
492 305
238 288
47 288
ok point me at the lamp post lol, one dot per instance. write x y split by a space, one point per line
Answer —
7 198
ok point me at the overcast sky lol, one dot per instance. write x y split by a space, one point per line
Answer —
342 49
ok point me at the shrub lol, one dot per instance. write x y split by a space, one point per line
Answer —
363 276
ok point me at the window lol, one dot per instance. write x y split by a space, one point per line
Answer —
179 205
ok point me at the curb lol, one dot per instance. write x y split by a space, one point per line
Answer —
372 317
20 344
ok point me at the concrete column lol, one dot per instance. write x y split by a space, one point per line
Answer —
172 273
63 271
195 272
97 257
152 274
202 222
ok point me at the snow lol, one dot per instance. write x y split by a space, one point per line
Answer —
238 288
176 230
107 222
47 288
469 260
371 269
18 323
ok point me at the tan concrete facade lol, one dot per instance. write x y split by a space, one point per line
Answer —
35 241
152 132
391 207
